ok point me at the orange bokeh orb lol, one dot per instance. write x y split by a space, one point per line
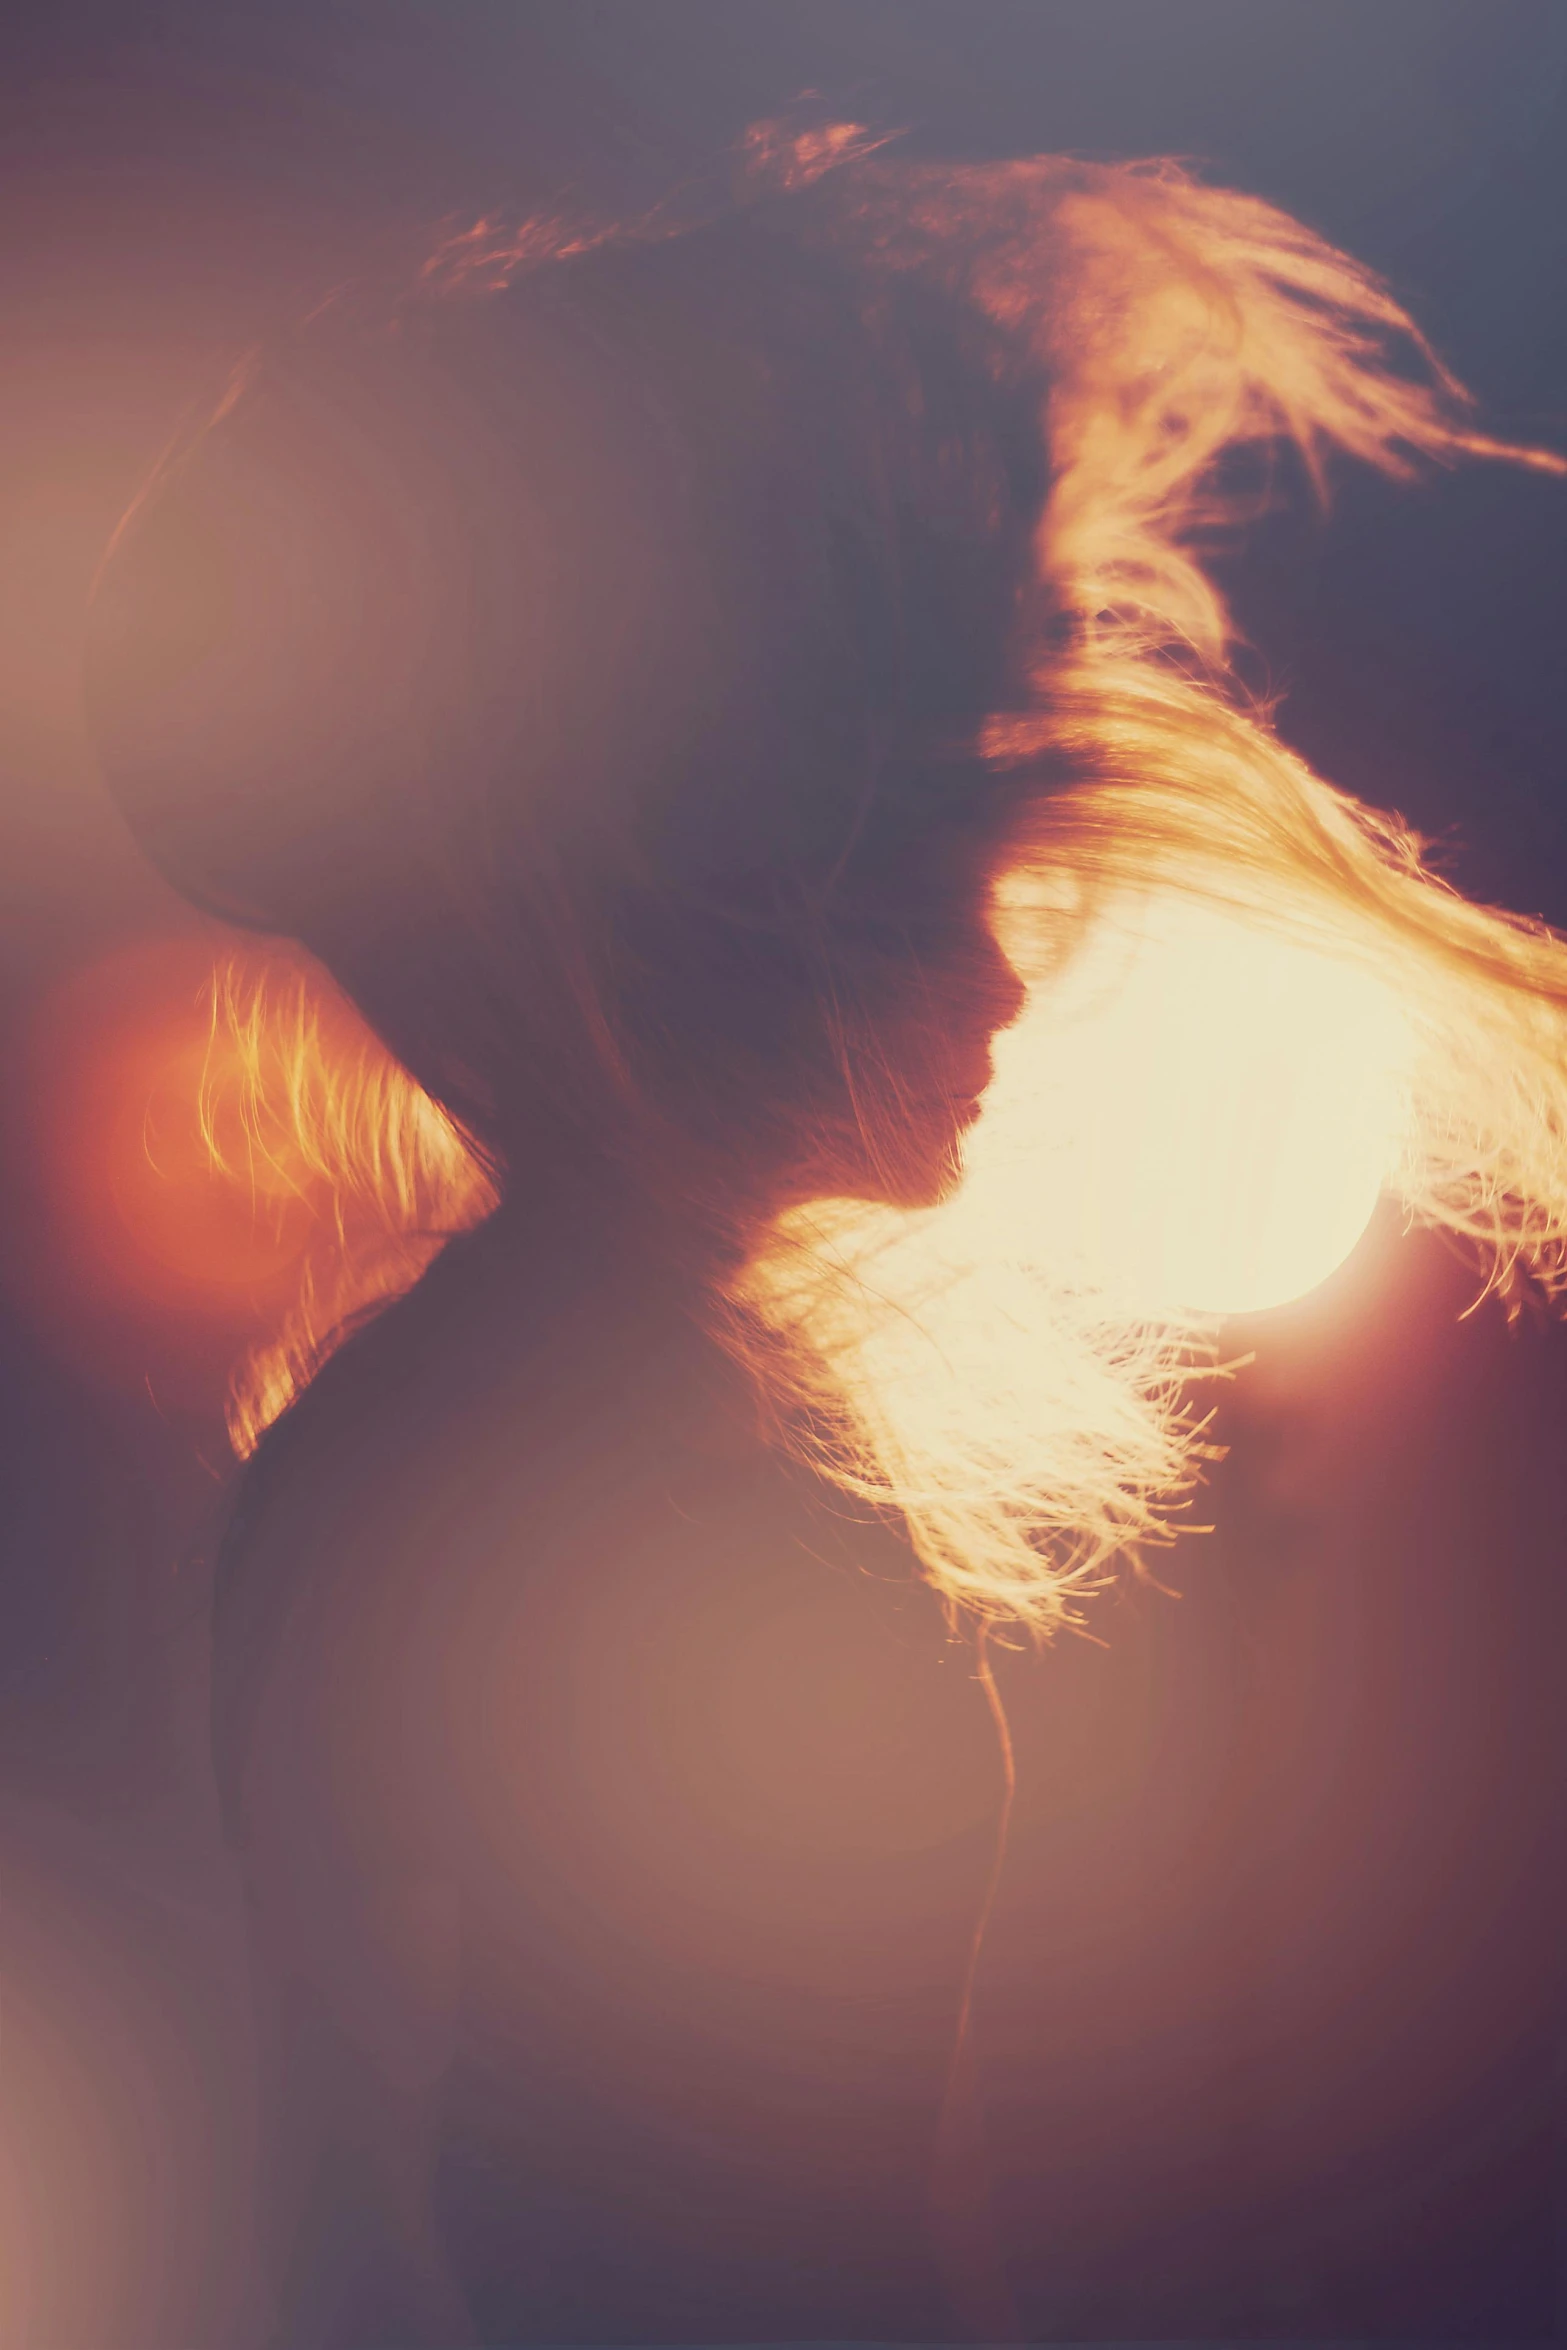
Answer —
147 1239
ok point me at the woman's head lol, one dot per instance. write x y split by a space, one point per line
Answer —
591 674
629 671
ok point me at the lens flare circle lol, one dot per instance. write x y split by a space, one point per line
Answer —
1217 1110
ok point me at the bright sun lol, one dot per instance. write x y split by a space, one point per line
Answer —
1215 1111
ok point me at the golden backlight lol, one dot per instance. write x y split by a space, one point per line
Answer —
1213 1112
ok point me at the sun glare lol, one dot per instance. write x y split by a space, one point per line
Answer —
1215 1111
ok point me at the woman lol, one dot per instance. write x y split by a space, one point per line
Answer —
630 663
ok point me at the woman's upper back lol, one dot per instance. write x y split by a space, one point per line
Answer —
536 1619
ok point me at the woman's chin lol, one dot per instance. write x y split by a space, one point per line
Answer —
923 1172
927 1178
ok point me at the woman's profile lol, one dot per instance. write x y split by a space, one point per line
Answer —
632 663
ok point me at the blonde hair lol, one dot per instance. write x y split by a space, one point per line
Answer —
1025 1427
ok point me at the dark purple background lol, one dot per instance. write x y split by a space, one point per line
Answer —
1271 2007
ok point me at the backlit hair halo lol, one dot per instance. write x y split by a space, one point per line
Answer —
1027 1417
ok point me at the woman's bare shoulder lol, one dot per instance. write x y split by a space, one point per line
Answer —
445 1455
